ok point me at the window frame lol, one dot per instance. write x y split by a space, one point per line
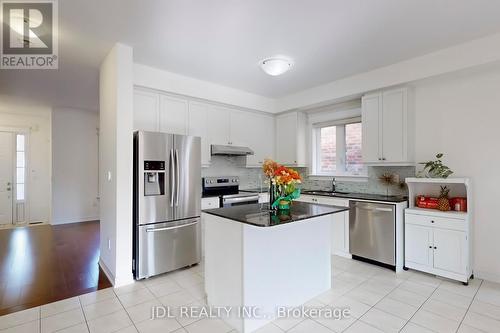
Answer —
341 149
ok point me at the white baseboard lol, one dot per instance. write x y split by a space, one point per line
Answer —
123 282
106 271
120 282
487 276
74 220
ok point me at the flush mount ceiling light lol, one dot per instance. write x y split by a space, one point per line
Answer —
275 66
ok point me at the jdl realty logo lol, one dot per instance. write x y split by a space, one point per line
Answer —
29 34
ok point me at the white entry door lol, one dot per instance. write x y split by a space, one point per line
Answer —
6 164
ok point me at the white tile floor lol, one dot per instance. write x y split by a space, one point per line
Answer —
379 300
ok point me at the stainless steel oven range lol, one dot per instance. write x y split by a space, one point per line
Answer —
227 189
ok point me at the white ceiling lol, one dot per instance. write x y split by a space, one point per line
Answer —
222 41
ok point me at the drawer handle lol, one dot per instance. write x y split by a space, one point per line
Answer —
171 228
432 221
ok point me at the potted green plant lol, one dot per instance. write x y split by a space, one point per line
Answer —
435 169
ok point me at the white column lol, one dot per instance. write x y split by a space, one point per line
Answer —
115 163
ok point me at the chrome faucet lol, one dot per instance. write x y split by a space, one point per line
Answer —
333 184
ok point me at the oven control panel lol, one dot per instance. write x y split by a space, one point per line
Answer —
220 181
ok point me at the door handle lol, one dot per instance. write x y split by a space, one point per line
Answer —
171 228
379 209
177 177
172 178
383 209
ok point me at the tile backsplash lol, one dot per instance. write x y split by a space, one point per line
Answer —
235 166
254 178
371 185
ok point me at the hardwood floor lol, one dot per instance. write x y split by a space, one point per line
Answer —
43 264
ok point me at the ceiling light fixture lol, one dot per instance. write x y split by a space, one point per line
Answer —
275 66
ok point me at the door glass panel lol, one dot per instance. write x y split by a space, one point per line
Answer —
20 192
20 142
20 159
20 175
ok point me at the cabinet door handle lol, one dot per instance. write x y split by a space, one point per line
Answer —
430 246
383 158
432 221
435 248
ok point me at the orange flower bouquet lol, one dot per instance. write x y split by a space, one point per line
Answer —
283 183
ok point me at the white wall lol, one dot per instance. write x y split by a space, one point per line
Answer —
459 116
115 163
37 119
467 55
74 165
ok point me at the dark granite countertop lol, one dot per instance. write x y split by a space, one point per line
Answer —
343 195
361 196
255 190
259 214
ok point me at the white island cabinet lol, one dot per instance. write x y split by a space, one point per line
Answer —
340 223
258 261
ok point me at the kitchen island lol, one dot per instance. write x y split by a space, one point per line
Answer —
258 261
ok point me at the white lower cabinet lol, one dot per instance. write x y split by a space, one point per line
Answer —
450 250
206 203
418 245
438 246
340 223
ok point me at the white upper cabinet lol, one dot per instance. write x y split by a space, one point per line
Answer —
255 131
291 139
215 124
197 126
371 131
394 126
173 115
146 110
219 120
387 127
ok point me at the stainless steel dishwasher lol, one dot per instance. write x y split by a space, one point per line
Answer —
372 232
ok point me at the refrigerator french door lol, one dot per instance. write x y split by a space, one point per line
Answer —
167 192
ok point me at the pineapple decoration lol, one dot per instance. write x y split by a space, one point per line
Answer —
443 201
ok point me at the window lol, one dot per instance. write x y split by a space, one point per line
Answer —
20 167
337 148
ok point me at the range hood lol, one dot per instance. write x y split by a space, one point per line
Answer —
230 150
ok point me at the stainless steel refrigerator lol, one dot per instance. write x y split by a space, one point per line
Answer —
167 200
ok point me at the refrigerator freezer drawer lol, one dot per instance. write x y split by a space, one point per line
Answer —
164 247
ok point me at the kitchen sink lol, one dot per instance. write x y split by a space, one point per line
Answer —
324 193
